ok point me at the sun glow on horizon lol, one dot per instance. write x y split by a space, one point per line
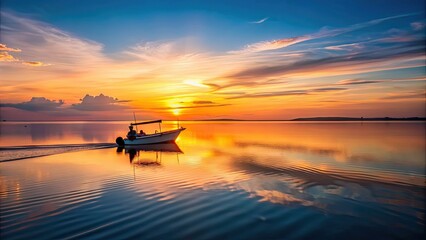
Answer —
195 83
176 111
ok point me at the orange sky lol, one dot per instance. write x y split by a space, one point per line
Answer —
49 73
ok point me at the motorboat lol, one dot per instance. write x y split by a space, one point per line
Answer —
134 138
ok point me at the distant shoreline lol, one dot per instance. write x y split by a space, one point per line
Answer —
359 119
334 119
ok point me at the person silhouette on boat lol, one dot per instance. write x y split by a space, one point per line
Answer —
131 135
141 133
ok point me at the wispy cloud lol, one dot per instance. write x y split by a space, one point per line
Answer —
368 55
356 82
35 64
286 93
260 21
327 89
3 47
397 39
151 51
270 94
251 84
34 38
345 47
203 102
402 96
405 51
417 26
325 32
271 45
372 81
6 57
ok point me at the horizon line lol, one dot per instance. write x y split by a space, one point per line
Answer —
237 120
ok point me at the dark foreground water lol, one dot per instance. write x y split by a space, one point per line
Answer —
223 180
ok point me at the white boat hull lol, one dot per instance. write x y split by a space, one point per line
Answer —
169 136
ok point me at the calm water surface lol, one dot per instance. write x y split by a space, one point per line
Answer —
222 180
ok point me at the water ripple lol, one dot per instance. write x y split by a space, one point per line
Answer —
14 153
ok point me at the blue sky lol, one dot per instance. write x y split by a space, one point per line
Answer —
218 25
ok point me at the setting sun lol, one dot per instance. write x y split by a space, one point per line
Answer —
176 112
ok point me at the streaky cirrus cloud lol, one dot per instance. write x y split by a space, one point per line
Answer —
37 104
6 57
50 44
285 93
35 63
202 102
98 103
370 55
357 82
252 83
406 79
397 39
326 89
323 33
151 51
345 47
260 21
409 95
3 47
417 26
156 52
404 51
271 45
269 94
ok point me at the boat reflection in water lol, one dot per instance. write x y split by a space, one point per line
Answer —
136 155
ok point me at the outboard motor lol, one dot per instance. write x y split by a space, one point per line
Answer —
120 141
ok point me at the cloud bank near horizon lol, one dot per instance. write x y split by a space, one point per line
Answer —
36 104
87 103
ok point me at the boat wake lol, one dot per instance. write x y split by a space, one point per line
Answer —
14 153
